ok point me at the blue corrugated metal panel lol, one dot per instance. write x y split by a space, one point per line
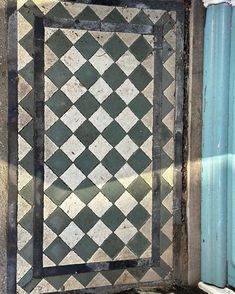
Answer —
231 162
214 150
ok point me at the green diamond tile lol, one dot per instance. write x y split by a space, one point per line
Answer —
139 133
86 219
141 49
29 10
59 103
87 75
27 133
138 216
139 161
166 107
115 47
140 78
57 251
27 251
85 278
86 162
140 106
112 245
28 162
169 23
167 79
87 104
58 221
113 161
113 275
59 133
141 19
58 192
58 11
114 133
28 103
59 74
27 42
87 46
86 191
27 192
85 248
87 133
139 189
114 76
113 217
113 189
88 15
138 272
58 281
165 188
115 17
164 243
138 244
59 43
165 215
28 73
165 134
27 282
166 161
27 221
167 51
114 105
59 162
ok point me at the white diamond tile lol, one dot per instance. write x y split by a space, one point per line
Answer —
147 147
169 120
150 276
73 177
73 10
71 235
49 177
126 231
73 118
23 26
170 65
128 13
100 119
154 15
146 202
73 147
148 120
50 148
100 204
170 37
100 147
169 148
50 58
125 278
146 229
101 61
23 237
99 256
23 177
148 92
127 62
23 88
44 6
128 38
72 284
101 13
47 262
24 147
170 93
168 175
73 89
24 118
72 205
127 91
22 267
100 176
101 37
46 286
48 207
49 32
48 236
73 59
100 90
24 57
126 254
98 281
126 119
50 117
99 233
126 175
126 203
72 258
50 88
23 208
126 147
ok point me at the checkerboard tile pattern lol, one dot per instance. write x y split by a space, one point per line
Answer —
85 91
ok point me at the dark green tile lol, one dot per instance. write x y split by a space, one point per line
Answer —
166 161
59 162
114 76
27 42
165 215
138 244
57 251
114 133
168 25
28 162
88 15
115 17
167 51
86 191
165 135
27 192
85 278
87 133
112 245
28 73
57 281
27 133
164 243
166 107
140 106
29 10
87 45
28 103
113 189
59 103
138 216
59 133
27 282
59 43
167 79
113 217
138 272
86 162
86 219
27 251
115 47
87 104
112 275
141 19
59 74
114 105
139 189
141 49
58 11
139 133
58 221
113 161
140 78
58 192
87 75
139 161
85 248
165 188
27 221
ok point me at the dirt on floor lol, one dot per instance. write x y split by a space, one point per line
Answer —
174 290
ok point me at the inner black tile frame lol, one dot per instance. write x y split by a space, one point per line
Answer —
39 130
13 124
